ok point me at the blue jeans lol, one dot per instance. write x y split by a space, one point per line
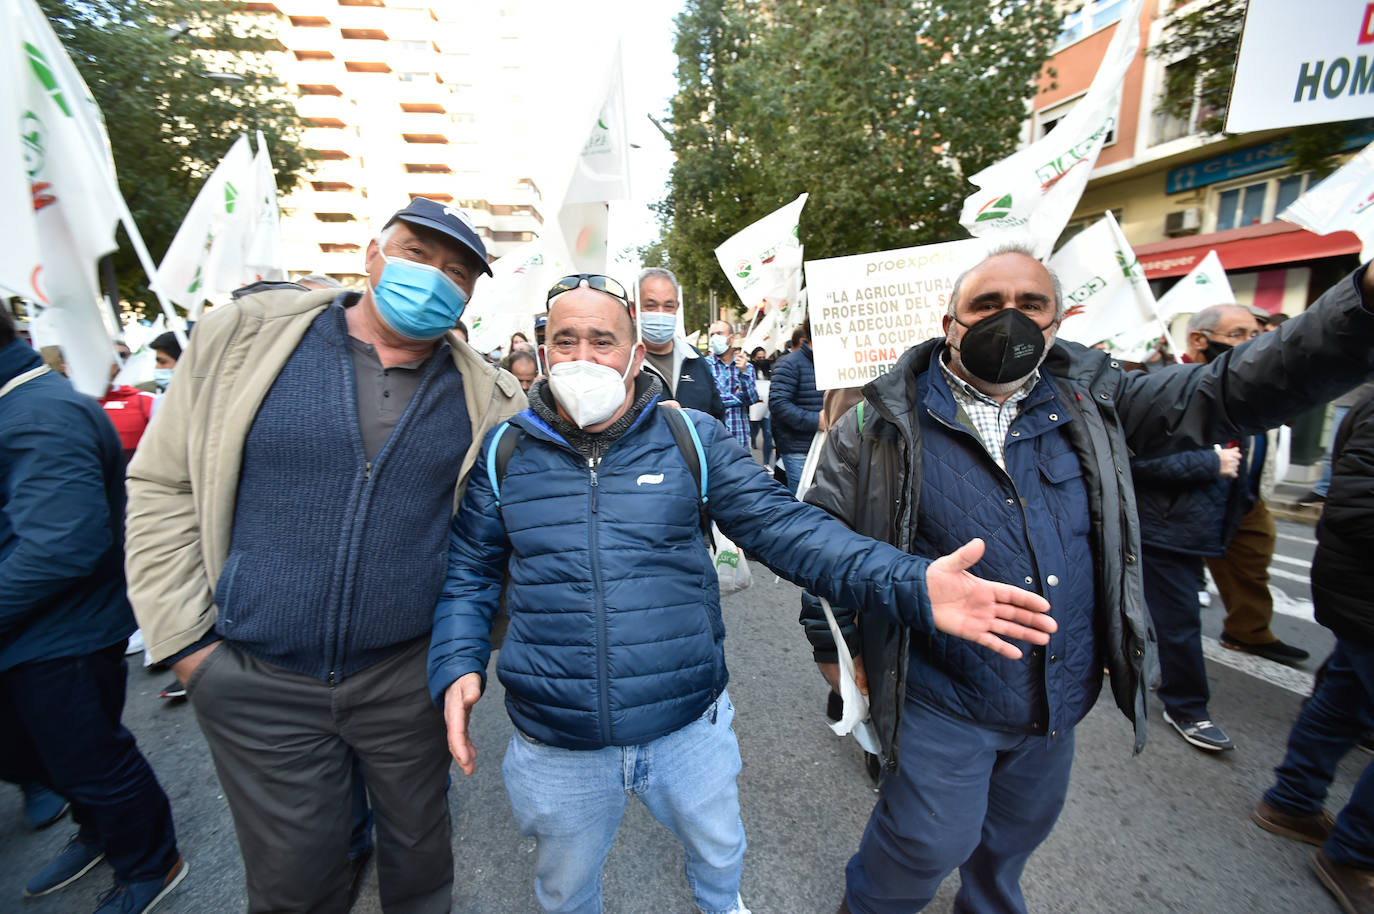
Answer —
792 465
60 721
1327 728
766 426
966 797
572 802
1337 417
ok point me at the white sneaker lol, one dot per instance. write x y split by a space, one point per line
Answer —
135 644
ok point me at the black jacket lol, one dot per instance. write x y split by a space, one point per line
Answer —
873 481
1343 567
794 402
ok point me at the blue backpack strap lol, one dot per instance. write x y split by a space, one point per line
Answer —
503 444
689 443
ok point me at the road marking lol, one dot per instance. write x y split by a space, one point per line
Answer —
1294 680
1290 576
1288 605
1305 540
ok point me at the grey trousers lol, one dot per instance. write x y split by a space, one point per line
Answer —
282 745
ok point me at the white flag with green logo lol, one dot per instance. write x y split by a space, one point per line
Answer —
1205 286
207 259
1030 196
1343 202
58 192
763 261
263 258
1105 292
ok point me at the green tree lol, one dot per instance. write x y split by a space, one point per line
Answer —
879 109
177 82
1200 49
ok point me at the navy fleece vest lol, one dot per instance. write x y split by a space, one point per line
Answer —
334 563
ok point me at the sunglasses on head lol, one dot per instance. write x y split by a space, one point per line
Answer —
594 281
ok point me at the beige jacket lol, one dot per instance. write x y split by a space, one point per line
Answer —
184 477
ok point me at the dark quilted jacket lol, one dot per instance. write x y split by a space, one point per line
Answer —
874 482
1342 572
1185 506
615 633
794 402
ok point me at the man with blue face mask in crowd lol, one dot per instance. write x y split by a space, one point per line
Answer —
734 379
685 376
288 513
614 661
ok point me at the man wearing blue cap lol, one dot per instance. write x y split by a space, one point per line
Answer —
287 529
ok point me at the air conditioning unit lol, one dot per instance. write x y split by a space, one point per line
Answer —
1183 222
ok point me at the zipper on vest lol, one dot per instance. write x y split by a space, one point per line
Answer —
602 661
367 471
591 467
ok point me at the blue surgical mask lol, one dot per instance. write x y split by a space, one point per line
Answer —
162 377
658 327
417 300
718 343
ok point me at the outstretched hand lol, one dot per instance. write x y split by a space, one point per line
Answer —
458 701
980 610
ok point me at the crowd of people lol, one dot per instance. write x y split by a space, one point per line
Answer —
337 510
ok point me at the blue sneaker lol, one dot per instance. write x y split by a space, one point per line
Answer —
137 897
42 807
75 861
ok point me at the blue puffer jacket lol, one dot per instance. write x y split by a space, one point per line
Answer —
794 402
615 633
61 519
1185 506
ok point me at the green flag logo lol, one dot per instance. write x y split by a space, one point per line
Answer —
231 195
743 269
196 281
39 64
1203 279
997 209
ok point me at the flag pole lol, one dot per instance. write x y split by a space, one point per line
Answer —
144 258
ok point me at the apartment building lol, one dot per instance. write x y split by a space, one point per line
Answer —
1178 193
401 99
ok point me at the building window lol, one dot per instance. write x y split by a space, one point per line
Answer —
363 34
332 155
331 186
439 198
429 168
331 122
319 89
424 138
1252 201
1047 119
309 22
329 248
336 217
361 3
366 66
512 236
422 108
1094 16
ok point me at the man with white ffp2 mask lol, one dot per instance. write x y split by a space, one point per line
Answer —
613 662
288 513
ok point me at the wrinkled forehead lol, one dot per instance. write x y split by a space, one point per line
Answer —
580 310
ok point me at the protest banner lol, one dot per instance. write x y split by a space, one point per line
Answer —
867 309
1303 63
1343 202
1029 196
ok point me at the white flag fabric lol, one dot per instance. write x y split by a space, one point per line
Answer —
603 168
508 300
207 258
763 261
775 324
59 194
1029 196
1205 286
1105 292
1343 202
263 255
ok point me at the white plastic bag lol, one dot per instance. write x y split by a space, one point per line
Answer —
731 568
813 457
855 718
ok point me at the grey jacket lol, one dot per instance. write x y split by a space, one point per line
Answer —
872 480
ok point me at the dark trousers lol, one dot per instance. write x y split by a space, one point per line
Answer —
1327 728
964 797
60 721
283 746
1171 582
764 425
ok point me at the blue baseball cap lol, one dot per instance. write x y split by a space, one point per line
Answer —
446 219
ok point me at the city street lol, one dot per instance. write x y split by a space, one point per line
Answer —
1165 831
